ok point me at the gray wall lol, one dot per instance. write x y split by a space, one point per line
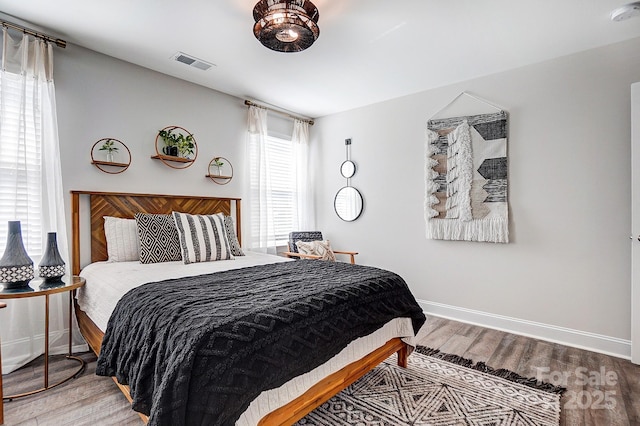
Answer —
568 264
99 96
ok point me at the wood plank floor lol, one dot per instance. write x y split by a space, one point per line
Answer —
612 400
601 390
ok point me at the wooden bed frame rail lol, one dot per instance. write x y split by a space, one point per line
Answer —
333 384
125 205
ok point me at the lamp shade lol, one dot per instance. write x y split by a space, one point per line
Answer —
286 25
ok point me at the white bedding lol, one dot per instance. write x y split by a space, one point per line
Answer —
106 282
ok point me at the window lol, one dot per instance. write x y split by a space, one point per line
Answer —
281 169
20 156
278 189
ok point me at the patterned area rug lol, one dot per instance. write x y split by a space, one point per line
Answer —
437 390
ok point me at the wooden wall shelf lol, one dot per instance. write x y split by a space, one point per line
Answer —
173 161
225 173
172 158
110 167
109 163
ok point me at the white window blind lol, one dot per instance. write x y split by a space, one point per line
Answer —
20 156
280 155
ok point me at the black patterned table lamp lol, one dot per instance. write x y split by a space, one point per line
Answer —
51 267
16 267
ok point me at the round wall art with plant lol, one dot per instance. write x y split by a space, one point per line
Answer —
110 155
176 145
220 170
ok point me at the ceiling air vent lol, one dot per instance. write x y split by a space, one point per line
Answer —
192 61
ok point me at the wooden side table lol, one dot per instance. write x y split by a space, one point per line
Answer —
37 287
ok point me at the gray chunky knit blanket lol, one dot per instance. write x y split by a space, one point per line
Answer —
198 350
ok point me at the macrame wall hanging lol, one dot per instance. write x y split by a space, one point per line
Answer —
466 177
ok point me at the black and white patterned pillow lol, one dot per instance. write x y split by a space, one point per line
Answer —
203 238
306 236
317 248
230 227
158 238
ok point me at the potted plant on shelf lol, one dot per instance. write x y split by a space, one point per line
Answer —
110 147
170 141
217 167
175 143
185 145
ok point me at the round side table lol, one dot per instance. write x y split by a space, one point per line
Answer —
38 287
2 305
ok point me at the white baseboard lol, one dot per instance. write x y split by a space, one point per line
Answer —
580 339
28 349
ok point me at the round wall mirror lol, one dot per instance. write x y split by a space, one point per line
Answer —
348 169
348 203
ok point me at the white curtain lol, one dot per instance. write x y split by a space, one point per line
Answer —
31 191
261 230
304 218
262 234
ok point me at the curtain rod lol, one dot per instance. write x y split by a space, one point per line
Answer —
306 120
58 42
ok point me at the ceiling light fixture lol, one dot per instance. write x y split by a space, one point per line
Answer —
286 25
625 12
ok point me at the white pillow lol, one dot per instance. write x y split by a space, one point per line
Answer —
317 248
203 238
123 244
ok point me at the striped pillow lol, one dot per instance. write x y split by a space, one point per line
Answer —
202 238
230 226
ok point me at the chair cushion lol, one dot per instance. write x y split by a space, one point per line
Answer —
317 248
305 236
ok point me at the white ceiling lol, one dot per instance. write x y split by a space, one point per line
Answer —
368 50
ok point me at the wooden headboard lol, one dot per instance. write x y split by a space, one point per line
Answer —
125 205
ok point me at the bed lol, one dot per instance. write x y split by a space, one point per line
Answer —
282 404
